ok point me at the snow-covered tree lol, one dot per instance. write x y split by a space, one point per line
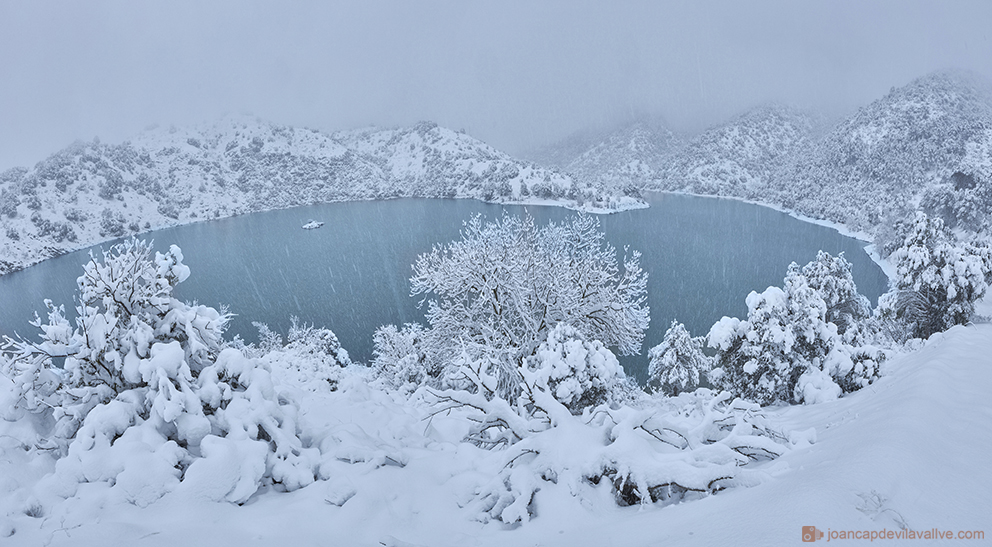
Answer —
787 350
676 363
831 278
149 398
496 293
399 361
938 281
761 359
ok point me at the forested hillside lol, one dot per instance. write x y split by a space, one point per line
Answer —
93 191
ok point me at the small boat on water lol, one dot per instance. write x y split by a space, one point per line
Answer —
312 225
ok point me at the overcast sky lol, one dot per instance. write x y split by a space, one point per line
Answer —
515 74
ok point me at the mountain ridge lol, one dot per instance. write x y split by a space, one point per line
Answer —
868 172
91 192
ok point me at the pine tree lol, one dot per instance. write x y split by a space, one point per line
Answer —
939 282
785 336
831 278
676 364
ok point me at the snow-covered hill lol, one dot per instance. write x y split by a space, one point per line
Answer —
867 172
739 158
624 158
91 192
874 166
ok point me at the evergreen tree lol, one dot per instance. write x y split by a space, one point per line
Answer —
831 278
938 281
676 363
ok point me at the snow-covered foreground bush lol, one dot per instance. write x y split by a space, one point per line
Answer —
579 422
148 399
665 452
790 348
396 479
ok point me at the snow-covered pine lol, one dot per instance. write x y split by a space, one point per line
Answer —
677 363
787 350
938 281
147 379
832 279
496 293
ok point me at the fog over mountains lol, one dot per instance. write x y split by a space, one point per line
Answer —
867 172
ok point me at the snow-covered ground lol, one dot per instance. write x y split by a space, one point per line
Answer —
908 452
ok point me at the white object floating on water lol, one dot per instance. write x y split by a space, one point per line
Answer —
312 225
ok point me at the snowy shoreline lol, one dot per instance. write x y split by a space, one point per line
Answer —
625 204
843 230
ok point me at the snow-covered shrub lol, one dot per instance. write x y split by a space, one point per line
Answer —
787 349
579 374
856 366
312 357
496 293
690 447
576 374
148 398
112 223
676 363
268 340
399 361
938 281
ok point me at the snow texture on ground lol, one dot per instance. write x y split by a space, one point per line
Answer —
910 451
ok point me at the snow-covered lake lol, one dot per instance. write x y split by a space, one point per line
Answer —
703 255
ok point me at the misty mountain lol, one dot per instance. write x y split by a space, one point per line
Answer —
739 158
621 158
874 166
927 144
91 191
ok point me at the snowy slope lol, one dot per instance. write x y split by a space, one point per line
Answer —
626 157
867 172
91 192
875 165
739 158
908 452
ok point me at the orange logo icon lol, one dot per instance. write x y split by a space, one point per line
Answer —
810 533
